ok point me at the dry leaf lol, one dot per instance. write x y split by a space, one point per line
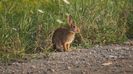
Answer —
66 1
107 63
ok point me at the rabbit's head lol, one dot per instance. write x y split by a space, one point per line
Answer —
72 26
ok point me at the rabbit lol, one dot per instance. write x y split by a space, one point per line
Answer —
63 37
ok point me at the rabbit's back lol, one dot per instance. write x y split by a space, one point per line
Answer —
59 35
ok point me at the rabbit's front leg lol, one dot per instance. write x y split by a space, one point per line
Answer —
68 47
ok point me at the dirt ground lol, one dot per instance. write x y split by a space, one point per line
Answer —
110 59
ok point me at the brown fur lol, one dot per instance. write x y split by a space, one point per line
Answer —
62 37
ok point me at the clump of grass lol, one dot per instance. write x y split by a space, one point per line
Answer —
27 25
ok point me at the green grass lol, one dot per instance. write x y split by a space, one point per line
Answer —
26 26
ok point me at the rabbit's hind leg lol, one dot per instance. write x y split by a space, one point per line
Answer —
59 48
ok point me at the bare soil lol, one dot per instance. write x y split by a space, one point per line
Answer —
110 59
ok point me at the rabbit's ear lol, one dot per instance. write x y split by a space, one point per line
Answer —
69 20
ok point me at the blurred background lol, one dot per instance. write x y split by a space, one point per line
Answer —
26 26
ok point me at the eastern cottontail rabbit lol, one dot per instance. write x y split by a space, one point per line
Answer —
63 37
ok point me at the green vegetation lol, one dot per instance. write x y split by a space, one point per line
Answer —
26 26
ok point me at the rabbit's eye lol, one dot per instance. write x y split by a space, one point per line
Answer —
74 26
